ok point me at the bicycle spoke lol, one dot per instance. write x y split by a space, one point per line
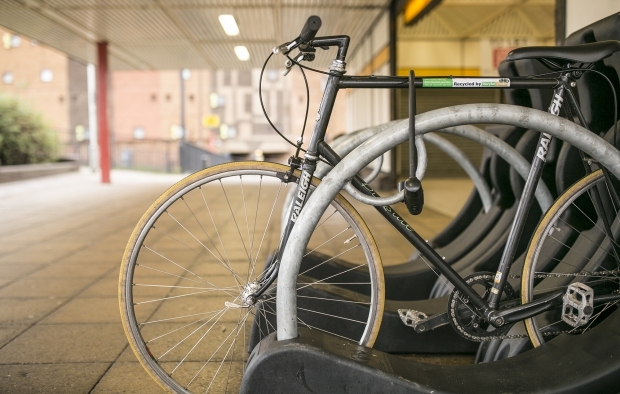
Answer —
214 225
332 276
330 259
203 229
198 260
332 238
265 232
235 220
260 185
221 313
167 273
200 253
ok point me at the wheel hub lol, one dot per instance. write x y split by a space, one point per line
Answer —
247 300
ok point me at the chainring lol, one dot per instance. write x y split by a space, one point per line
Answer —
467 323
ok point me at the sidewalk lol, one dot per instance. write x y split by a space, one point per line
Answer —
61 243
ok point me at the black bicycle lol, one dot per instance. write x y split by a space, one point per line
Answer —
198 277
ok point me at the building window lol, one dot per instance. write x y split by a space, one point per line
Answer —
138 133
272 75
11 41
47 75
7 78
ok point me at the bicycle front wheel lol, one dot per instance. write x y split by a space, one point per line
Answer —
575 242
203 246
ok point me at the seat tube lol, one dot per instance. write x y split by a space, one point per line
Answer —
524 204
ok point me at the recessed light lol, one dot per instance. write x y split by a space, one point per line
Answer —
229 24
242 53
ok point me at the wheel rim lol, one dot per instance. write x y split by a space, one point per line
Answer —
572 238
206 349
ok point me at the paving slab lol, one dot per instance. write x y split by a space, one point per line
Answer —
127 377
62 239
50 378
43 287
8 332
26 311
63 343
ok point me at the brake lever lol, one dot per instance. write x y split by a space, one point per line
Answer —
288 64
308 56
284 49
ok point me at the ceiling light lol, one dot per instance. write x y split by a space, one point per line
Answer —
229 24
242 53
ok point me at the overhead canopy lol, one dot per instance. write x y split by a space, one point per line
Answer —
470 19
173 34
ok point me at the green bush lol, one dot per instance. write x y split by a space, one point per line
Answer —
25 138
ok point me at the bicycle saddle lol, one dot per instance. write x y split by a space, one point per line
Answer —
586 53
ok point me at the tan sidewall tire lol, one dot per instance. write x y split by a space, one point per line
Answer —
527 275
375 266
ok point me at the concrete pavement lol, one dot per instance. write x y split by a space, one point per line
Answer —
61 243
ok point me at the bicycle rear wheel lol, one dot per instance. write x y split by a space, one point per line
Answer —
203 245
575 242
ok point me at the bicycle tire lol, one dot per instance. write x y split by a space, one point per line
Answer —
158 257
581 245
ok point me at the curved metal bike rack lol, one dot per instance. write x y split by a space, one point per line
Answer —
451 150
445 118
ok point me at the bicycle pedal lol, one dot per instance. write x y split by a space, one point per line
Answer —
411 317
578 304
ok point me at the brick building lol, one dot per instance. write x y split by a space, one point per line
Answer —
222 108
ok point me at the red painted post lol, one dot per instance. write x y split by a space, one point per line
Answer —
102 111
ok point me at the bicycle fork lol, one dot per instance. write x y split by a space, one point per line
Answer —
301 195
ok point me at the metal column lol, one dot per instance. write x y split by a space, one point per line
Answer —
102 111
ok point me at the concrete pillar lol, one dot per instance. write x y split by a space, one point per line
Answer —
102 111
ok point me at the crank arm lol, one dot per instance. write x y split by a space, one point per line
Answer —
522 312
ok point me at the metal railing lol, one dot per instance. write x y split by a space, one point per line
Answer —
193 158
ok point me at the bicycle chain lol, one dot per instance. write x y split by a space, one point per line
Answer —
537 276
582 273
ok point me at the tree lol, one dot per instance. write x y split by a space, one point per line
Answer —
25 138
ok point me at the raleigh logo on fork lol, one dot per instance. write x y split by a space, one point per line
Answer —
304 183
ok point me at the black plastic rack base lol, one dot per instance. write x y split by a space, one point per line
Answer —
317 362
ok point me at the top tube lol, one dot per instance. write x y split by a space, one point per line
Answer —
448 82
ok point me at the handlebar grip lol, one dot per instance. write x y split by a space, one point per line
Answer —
312 26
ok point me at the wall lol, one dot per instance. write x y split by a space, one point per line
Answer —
442 57
369 107
580 13
26 62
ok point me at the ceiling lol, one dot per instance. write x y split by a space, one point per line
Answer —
173 34
472 19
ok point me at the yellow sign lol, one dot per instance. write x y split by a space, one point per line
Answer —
211 121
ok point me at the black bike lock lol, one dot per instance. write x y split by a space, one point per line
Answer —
414 195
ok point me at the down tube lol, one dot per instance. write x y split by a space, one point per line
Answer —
411 235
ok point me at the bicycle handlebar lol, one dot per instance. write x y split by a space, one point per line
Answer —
312 26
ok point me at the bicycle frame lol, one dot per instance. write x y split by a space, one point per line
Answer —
317 147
